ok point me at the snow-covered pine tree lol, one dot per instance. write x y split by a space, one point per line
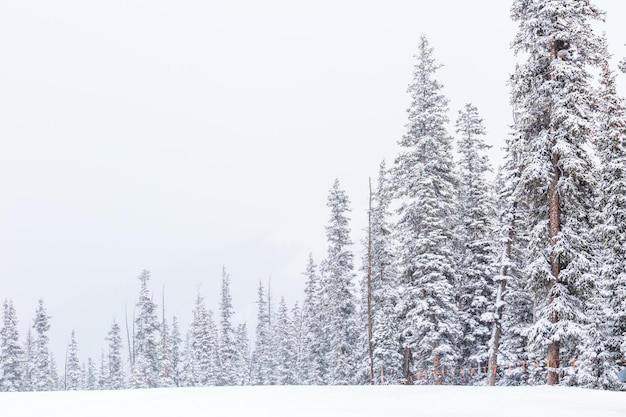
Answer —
187 360
387 350
552 94
29 362
103 372
54 374
176 354
339 289
166 373
40 366
73 371
203 347
474 286
116 378
284 346
145 372
296 318
425 187
262 372
11 353
314 339
165 355
90 379
228 350
608 319
242 359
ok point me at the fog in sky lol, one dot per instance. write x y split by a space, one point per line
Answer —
184 136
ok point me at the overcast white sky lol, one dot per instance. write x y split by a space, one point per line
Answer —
180 136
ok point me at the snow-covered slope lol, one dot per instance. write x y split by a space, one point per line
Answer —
320 401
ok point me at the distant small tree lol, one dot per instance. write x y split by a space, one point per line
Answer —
176 359
73 372
262 362
40 366
284 346
91 378
203 361
242 359
54 374
227 348
11 353
103 372
29 362
116 378
145 372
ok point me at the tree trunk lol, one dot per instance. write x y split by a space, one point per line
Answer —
407 365
438 374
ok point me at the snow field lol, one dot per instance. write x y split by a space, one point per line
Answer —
317 401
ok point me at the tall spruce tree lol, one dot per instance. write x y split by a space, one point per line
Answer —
11 353
338 287
474 285
425 187
552 94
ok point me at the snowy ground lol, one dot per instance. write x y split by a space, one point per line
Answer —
427 401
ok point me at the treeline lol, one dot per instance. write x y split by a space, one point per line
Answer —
464 281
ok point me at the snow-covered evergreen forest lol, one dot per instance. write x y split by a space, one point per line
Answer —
465 280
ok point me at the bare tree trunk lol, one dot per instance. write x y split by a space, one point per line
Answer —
438 374
370 332
407 365
131 356
166 371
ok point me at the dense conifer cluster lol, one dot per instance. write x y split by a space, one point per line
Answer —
464 281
